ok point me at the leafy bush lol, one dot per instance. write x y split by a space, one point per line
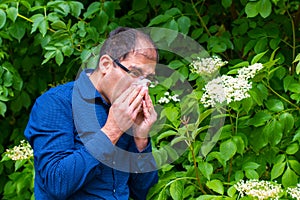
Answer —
43 43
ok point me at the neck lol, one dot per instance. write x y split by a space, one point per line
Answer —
96 80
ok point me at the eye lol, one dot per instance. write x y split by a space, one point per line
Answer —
135 73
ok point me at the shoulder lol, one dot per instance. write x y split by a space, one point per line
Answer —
59 94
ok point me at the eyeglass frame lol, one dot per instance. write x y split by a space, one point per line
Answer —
151 77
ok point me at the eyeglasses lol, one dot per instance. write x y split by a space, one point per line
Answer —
136 73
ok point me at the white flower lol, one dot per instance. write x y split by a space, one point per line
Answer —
168 98
250 71
227 89
207 66
294 192
20 152
259 189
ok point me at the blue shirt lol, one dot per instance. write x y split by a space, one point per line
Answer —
73 158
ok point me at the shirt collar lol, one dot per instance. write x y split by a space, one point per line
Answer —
86 87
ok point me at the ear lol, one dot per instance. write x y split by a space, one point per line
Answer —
105 64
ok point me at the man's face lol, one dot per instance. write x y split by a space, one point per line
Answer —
139 66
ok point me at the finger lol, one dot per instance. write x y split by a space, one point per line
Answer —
128 94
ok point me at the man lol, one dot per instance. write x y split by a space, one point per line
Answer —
90 136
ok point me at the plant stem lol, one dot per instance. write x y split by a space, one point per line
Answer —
281 97
200 18
294 41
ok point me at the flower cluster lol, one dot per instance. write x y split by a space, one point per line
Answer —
168 98
20 152
259 189
207 66
294 192
227 89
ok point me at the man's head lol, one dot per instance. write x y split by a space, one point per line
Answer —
123 41
127 56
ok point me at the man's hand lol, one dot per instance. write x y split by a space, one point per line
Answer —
144 122
124 111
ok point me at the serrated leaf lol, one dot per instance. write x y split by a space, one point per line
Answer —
206 169
59 58
277 170
289 178
75 7
292 148
295 165
216 185
275 105
264 8
2 18
2 108
12 13
176 190
251 9
184 24
250 165
227 149
166 134
159 19
17 30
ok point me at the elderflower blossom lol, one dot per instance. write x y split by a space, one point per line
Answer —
250 71
207 66
168 98
259 189
227 89
20 152
294 192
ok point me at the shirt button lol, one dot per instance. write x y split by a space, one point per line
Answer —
113 162
114 190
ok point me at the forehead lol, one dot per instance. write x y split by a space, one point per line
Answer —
141 62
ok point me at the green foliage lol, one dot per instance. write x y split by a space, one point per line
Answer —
44 42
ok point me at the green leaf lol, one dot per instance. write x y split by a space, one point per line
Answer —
172 153
251 174
250 165
103 20
275 105
289 178
228 149
12 13
292 149
216 185
184 24
206 169
17 30
59 25
264 8
277 170
260 118
2 108
287 121
2 18
172 113
93 8
261 45
43 27
75 7
159 19
139 4
294 87
165 134
176 190
287 81
226 3
240 144
251 9
59 58
295 165
257 57
37 19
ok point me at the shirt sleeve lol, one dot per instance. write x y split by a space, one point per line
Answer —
144 174
59 158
